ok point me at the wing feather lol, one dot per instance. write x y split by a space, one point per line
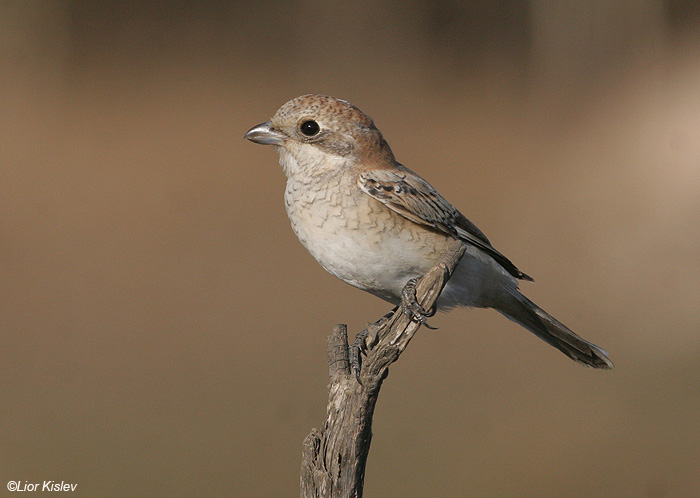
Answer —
412 197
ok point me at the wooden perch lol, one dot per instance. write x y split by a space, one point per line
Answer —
333 458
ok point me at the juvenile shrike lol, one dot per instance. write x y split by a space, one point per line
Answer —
375 224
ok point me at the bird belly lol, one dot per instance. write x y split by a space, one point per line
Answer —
362 242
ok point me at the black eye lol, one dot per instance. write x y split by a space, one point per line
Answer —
309 128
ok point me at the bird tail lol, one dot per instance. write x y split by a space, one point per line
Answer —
521 310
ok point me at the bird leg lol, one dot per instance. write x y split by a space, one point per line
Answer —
366 340
410 306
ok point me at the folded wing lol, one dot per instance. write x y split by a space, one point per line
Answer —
412 197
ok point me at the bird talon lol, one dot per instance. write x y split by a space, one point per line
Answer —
410 306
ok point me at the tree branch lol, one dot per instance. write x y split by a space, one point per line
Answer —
334 458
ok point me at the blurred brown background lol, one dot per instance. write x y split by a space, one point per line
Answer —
163 332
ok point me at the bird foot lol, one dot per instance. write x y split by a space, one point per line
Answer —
410 306
364 341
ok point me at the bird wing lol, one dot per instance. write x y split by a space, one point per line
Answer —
409 195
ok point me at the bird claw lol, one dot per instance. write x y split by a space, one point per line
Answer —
364 341
410 306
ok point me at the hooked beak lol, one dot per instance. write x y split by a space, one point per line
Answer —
263 134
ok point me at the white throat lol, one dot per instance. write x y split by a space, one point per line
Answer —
308 161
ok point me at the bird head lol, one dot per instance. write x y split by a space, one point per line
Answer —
320 132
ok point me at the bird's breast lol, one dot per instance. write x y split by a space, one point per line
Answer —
358 239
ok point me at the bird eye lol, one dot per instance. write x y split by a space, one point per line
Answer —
309 128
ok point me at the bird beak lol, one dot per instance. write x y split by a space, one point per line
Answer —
263 134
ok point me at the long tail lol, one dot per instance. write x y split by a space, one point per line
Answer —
521 310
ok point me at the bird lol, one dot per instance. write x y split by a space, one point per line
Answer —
377 225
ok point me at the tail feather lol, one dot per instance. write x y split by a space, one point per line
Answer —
526 313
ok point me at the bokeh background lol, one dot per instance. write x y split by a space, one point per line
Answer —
163 332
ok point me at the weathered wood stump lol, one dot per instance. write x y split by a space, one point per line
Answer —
334 458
